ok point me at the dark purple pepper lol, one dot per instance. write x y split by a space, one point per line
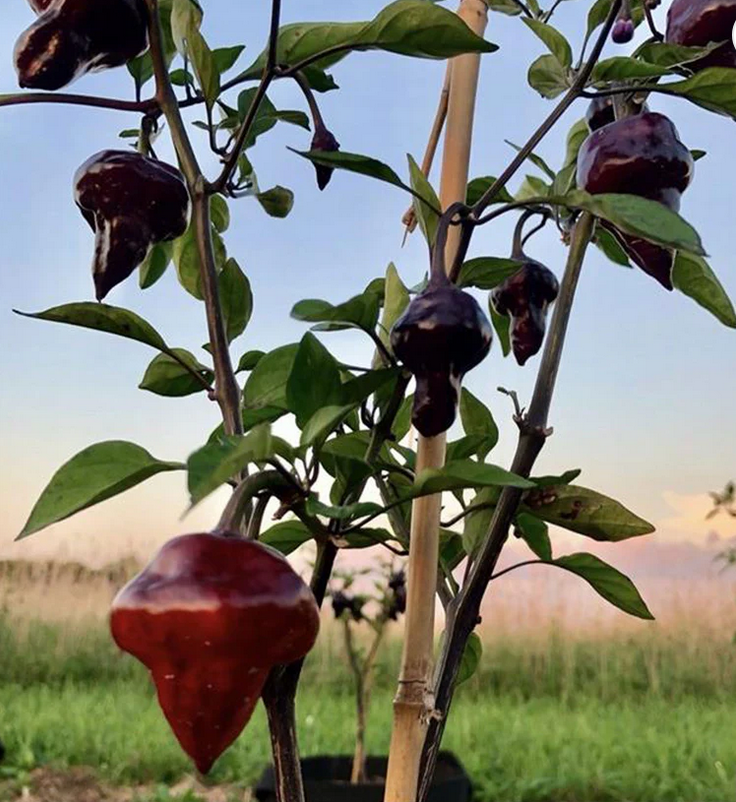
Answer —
601 112
325 142
623 31
640 155
131 202
73 37
440 337
698 23
525 298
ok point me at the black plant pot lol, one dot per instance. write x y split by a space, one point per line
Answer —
327 779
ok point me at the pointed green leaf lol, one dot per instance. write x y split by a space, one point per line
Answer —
693 276
286 536
586 512
426 213
314 381
215 463
536 535
266 385
608 582
477 419
102 317
465 473
236 299
95 474
166 376
555 41
487 272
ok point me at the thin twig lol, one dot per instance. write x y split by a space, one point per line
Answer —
269 73
227 391
571 95
518 565
28 98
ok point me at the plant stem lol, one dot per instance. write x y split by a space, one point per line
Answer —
412 703
227 392
269 73
280 709
28 98
569 98
464 615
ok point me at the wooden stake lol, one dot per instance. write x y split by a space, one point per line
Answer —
413 704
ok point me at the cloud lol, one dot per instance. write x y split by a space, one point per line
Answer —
690 519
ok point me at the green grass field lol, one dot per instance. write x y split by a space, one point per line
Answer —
644 719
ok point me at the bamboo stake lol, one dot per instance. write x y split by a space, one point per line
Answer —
413 704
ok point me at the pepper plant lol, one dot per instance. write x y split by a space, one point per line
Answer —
353 476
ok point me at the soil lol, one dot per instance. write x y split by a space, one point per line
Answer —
81 785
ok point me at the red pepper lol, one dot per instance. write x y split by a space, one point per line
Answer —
210 616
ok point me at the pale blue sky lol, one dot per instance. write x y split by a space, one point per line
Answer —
646 393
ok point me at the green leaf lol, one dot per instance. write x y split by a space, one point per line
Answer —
479 186
225 57
502 325
665 54
185 254
470 660
165 376
154 265
586 512
277 201
598 13
298 118
346 512
141 67
623 68
186 16
396 299
356 390
220 213
642 218
469 446
95 474
565 179
353 163
236 299
426 213
563 479
286 536
205 69
477 419
507 7
693 276
249 360
323 423
535 159
555 41
547 76
215 463
487 272
266 385
536 535
713 89
314 381
360 311
407 27
476 523
102 317
251 419
610 246
465 473
609 583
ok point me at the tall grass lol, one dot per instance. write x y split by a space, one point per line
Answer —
555 712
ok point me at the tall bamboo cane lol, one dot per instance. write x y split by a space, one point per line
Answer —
413 704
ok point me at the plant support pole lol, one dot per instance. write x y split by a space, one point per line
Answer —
413 704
